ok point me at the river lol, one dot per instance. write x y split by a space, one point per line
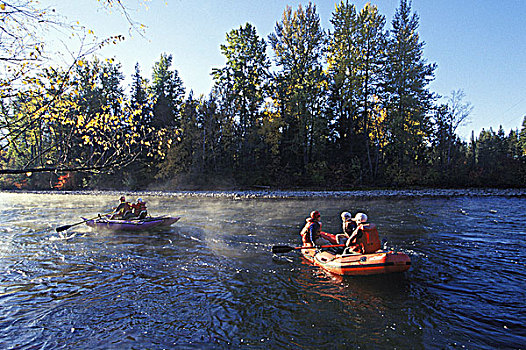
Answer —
211 282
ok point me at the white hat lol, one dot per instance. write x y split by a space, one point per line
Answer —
346 216
360 218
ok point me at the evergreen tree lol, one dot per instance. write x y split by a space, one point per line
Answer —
448 154
522 154
514 149
141 172
181 157
407 99
139 100
522 137
112 92
492 159
168 93
211 123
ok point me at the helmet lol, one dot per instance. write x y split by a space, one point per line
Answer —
139 200
346 216
360 218
122 199
315 214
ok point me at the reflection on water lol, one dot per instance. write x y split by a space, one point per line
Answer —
210 280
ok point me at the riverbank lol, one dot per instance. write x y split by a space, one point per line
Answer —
302 194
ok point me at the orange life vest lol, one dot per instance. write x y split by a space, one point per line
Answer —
369 242
305 232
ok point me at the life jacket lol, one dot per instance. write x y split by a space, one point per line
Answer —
305 232
369 242
138 207
124 208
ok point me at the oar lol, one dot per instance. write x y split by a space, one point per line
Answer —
67 227
277 249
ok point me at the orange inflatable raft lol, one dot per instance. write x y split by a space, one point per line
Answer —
355 264
359 264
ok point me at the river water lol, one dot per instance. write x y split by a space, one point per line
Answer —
211 282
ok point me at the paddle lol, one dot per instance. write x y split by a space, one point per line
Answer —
277 249
67 227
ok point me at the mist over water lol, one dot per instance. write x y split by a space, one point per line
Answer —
211 282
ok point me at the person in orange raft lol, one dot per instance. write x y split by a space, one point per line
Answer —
348 227
365 238
311 232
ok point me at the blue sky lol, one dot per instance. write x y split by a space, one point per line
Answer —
479 46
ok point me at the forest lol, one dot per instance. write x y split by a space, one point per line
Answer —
305 107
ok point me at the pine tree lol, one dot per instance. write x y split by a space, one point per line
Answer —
522 137
407 98
168 91
139 100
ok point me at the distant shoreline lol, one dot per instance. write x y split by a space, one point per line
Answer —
301 194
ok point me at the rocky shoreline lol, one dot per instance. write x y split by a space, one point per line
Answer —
303 194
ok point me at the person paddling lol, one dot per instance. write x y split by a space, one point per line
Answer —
123 210
311 232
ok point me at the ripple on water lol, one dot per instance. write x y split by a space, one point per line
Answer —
210 281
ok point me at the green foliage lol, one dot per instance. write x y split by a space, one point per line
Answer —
342 109
522 138
85 127
168 91
241 87
407 98
299 45
356 60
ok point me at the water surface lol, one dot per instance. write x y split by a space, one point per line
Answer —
210 281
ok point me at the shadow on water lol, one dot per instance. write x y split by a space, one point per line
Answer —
210 281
